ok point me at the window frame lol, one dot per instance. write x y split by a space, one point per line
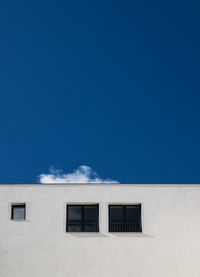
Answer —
124 220
82 221
15 205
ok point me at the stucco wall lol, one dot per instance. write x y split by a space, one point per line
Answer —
39 247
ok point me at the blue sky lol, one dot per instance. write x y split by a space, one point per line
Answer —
113 85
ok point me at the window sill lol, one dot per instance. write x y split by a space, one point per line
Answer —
87 234
83 232
19 220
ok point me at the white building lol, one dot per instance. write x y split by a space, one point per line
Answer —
109 230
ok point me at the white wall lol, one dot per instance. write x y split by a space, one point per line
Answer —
39 247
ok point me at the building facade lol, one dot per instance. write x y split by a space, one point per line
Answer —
93 230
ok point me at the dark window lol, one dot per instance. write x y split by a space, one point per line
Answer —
18 212
82 218
125 218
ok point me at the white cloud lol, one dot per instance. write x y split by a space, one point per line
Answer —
83 174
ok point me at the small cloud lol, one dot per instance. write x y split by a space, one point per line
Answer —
83 174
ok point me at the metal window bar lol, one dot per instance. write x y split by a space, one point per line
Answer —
124 226
82 226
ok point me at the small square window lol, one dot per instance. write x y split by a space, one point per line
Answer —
125 218
18 211
82 218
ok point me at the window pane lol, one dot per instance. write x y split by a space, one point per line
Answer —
90 212
116 213
91 226
133 213
133 218
116 226
18 212
74 213
74 227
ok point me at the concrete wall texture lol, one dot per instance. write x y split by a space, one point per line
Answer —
169 245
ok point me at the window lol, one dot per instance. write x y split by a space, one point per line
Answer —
125 218
18 212
82 218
